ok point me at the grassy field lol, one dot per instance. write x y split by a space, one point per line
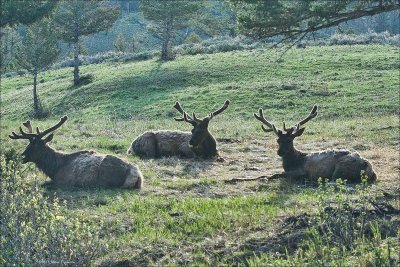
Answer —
187 214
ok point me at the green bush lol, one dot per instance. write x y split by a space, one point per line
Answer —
34 230
193 38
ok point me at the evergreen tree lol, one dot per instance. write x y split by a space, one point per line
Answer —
24 11
76 18
300 17
217 18
15 12
167 18
40 49
10 44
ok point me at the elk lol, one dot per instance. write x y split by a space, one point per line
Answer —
331 164
82 168
198 143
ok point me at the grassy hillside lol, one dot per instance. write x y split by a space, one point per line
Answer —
187 214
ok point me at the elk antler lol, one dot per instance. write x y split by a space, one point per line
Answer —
291 130
186 116
219 111
51 129
313 114
28 125
22 135
194 120
39 134
261 118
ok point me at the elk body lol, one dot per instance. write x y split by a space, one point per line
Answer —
82 168
332 164
198 143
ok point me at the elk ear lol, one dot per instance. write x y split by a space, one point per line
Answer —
48 138
299 132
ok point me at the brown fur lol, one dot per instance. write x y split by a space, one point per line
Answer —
154 144
198 143
332 164
82 168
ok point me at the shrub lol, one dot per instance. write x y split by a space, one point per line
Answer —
110 56
366 38
218 44
33 229
193 38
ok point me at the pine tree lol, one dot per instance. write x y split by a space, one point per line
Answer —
168 17
40 49
76 18
25 12
10 44
297 18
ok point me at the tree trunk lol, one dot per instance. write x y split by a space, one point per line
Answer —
76 63
35 97
165 52
1 54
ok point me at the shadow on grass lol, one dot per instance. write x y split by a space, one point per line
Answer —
78 197
338 225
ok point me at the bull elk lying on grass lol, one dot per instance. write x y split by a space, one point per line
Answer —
332 164
200 142
82 168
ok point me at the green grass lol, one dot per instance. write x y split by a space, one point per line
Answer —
186 214
359 79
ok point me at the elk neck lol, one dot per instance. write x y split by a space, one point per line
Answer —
207 148
293 160
50 161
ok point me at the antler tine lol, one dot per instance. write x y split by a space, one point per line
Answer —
313 114
22 135
179 108
284 126
261 118
53 128
28 125
16 136
194 117
289 130
266 130
218 111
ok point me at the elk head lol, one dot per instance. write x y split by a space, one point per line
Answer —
285 139
37 141
200 126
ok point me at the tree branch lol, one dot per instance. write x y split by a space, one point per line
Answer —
262 177
340 18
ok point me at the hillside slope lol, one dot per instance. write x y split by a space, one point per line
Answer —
359 80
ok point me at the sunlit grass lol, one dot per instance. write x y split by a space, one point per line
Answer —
186 213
